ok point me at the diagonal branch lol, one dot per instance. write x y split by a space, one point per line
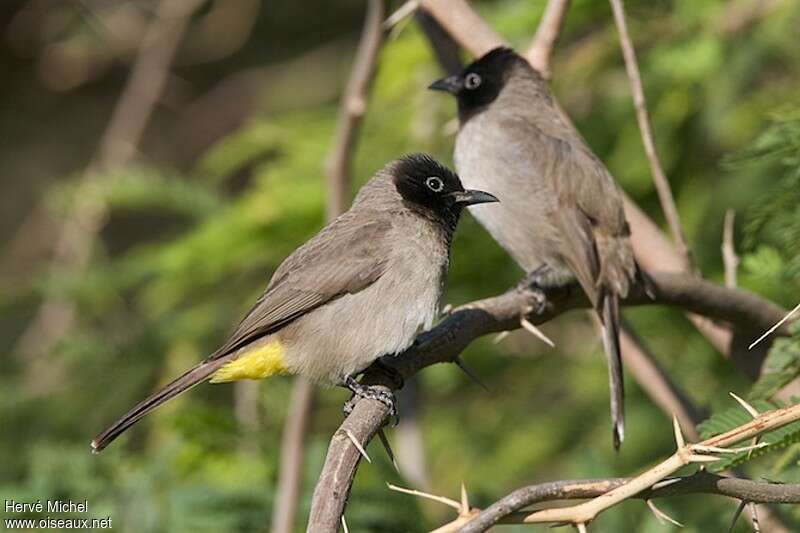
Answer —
541 49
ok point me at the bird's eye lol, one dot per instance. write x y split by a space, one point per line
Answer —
435 184
472 81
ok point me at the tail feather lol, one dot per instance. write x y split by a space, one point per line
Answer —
189 379
610 319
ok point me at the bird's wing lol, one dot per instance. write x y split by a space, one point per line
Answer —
589 212
344 258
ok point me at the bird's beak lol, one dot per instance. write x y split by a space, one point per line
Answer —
472 197
451 84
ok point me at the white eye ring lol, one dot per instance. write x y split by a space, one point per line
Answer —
435 184
472 81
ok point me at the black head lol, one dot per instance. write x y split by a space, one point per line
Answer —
424 182
481 81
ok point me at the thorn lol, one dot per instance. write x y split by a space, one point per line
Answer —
679 440
470 374
388 448
736 514
357 444
754 517
581 527
500 336
464 501
776 326
666 483
747 407
404 11
446 310
344 525
441 499
661 516
715 449
754 413
525 323
698 458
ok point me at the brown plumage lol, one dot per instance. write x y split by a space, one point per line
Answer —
561 213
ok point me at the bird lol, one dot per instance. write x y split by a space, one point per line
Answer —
561 215
361 288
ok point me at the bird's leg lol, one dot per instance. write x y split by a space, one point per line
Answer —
370 392
535 281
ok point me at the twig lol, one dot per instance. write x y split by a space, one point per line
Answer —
729 257
403 12
685 454
541 48
505 510
659 179
337 174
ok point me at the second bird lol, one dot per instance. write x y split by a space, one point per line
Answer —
561 214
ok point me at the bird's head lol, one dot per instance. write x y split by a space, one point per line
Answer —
481 81
426 183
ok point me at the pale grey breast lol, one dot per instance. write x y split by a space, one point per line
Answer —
492 156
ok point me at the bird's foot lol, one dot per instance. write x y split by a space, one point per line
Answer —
370 392
534 282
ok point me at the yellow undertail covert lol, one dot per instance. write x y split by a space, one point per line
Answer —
259 362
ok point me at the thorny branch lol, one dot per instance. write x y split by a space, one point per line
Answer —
492 315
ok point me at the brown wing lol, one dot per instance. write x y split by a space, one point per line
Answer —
344 258
589 213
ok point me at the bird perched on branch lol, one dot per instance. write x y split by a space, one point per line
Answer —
361 288
561 214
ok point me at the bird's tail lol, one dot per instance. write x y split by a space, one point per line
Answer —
189 379
610 319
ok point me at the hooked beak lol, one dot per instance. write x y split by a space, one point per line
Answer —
451 84
472 197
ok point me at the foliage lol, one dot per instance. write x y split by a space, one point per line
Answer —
190 244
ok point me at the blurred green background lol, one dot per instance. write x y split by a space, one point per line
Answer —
227 180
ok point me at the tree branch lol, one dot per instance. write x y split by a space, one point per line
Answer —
699 483
541 48
491 315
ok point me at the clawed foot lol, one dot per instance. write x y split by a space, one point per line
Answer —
534 283
370 392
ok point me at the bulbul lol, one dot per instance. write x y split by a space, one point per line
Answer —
361 288
560 214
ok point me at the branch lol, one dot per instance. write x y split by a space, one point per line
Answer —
337 173
463 25
492 315
659 179
541 49
699 483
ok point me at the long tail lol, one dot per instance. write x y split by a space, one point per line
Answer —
192 377
610 319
